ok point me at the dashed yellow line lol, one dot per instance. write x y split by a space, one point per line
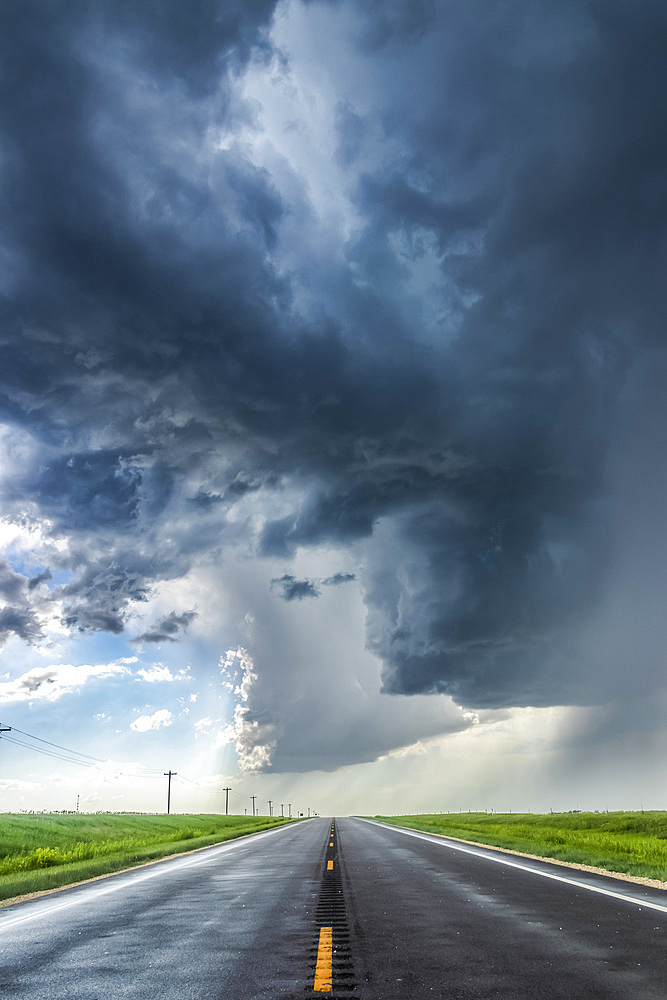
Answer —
323 974
329 866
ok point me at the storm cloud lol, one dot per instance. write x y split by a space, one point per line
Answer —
440 371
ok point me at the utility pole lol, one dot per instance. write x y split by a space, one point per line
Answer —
289 806
270 807
282 809
308 812
253 797
77 802
226 791
170 775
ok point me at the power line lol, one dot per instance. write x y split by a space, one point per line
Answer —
57 746
69 756
46 753
202 784
67 750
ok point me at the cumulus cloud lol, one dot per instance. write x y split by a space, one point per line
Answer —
145 723
253 737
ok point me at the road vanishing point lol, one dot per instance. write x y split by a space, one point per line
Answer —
343 908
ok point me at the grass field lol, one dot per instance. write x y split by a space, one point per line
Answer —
44 851
634 843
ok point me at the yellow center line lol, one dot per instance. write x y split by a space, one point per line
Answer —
329 866
323 974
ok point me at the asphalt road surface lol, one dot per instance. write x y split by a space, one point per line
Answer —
349 909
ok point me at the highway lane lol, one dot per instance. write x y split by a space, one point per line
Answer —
351 909
235 921
429 920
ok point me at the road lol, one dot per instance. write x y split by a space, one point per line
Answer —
351 909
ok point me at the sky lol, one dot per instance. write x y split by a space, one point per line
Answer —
332 405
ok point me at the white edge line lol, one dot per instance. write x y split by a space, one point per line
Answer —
499 859
128 879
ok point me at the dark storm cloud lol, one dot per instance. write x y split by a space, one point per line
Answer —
512 555
153 343
534 144
113 316
89 490
385 22
99 594
168 628
196 44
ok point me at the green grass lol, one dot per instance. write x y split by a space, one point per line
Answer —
45 851
629 842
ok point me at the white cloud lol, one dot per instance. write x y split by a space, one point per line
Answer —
157 673
53 681
144 723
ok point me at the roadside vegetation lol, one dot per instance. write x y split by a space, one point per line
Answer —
46 850
634 843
